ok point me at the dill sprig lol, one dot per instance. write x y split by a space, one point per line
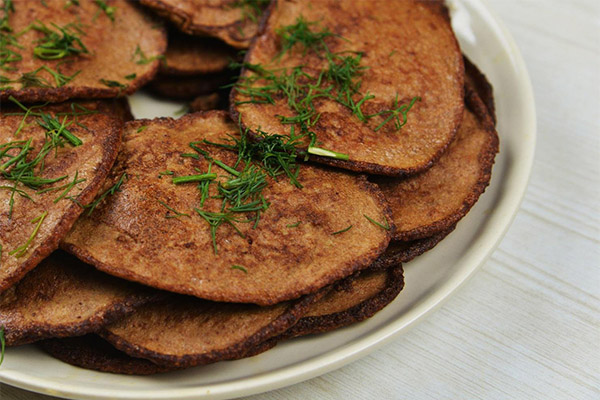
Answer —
33 79
301 33
386 227
395 113
244 270
346 229
114 84
109 192
108 10
141 59
59 42
22 250
7 38
176 213
251 9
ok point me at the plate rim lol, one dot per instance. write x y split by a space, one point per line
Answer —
373 340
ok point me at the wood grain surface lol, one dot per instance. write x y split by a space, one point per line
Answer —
527 326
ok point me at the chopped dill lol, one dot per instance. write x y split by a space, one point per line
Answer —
109 192
317 151
166 172
342 230
251 9
57 42
240 268
108 10
33 79
177 213
193 178
131 76
113 84
301 33
141 128
386 227
70 3
395 113
22 250
293 225
140 58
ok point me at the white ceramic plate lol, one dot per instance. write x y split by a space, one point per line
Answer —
429 279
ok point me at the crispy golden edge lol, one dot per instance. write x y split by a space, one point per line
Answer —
357 313
184 21
92 352
251 346
59 94
486 159
358 166
111 147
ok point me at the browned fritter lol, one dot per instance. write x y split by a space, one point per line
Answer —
185 331
187 87
352 300
206 103
192 55
64 297
405 251
111 50
218 18
292 251
433 201
93 352
409 50
92 161
478 81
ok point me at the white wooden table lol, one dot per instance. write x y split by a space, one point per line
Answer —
527 326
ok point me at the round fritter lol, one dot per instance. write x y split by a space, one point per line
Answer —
433 201
112 51
157 233
34 218
191 55
185 331
64 297
352 300
233 21
386 56
93 352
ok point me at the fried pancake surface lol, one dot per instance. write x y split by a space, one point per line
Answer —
353 300
223 19
438 198
409 50
93 352
64 297
101 72
190 55
91 162
185 331
292 251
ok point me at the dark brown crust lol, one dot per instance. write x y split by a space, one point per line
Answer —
55 271
486 159
353 165
110 147
251 346
482 86
361 262
357 313
184 21
92 352
403 252
188 87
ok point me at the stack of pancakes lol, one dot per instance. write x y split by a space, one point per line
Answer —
154 274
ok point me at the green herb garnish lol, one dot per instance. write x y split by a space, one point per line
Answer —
141 128
386 227
131 76
317 151
109 11
177 213
294 225
59 42
140 58
240 268
22 250
2 345
194 178
343 230
109 192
